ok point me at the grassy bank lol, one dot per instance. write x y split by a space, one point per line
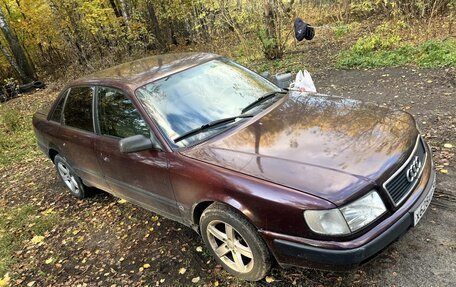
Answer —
17 139
374 52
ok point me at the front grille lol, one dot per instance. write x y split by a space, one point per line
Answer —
404 180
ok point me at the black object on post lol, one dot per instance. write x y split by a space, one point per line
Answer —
303 30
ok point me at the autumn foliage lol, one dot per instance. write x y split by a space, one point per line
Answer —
47 37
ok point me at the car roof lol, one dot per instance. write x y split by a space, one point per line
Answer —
139 72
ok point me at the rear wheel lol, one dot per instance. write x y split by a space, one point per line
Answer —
69 177
234 242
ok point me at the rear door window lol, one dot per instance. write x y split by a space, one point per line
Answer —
78 109
117 116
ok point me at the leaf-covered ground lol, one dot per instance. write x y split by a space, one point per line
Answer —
49 238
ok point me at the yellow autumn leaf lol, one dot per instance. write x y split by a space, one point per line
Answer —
146 265
182 270
5 280
122 201
447 145
49 260
444 171
269 279
37 239
48 211
196 279
154 218
199 249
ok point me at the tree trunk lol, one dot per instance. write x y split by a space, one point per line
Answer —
114 7
125 13
13 62
71 38
270 40
27 71
155 27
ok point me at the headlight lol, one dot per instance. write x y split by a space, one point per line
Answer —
329 222
347 219
363 211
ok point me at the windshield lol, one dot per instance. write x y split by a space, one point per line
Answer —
211 91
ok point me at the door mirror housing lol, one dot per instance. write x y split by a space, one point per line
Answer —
138 143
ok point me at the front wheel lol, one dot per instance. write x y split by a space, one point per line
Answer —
69 177
234 242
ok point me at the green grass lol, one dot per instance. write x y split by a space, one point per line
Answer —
17 139
341 29
375 51
17 225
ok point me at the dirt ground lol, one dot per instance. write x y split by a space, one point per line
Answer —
102 241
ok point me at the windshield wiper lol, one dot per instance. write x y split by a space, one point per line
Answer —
210 125
262 99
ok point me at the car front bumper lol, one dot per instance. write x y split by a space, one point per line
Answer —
334 255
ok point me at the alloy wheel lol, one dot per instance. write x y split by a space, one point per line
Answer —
229 245
68 178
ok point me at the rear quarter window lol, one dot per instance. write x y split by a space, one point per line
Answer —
56 115
78 109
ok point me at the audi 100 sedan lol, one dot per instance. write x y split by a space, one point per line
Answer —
264 175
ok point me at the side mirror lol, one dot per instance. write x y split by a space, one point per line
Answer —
137 143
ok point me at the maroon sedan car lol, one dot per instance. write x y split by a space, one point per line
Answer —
264 175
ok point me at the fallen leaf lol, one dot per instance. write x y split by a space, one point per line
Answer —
269 279
31 283
5 280
36 239
48 211
122 201
444 171
199 249
154 218
447 145
196 279
162 280
146 265
182 270
49 260
216 283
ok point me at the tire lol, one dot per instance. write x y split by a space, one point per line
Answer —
38 84
247 256
69 177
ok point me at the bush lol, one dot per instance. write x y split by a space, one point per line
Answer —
375 42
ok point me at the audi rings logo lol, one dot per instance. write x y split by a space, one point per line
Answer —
414 169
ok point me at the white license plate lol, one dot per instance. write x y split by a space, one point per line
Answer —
419 212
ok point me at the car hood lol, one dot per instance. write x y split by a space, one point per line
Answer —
330 147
